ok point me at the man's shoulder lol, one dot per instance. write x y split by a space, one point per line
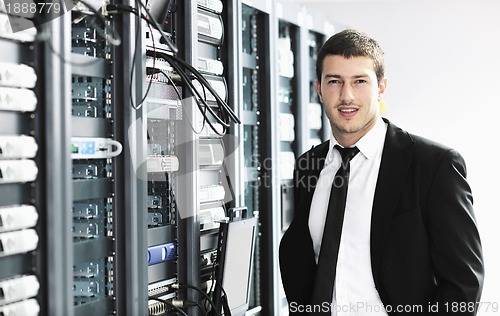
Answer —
421 143
425 150
314 158
317 151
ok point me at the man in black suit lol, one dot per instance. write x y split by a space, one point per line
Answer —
409 243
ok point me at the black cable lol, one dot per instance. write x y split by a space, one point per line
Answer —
129 9
226 113
205 118
152 19
199 306
187 303
223 291
166 302
213 274
178 93
187 80
202 293
225 304
150 79
134 55
195 91
204 81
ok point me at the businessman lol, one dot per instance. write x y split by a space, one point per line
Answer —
384 223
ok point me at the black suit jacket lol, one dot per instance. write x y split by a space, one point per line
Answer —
425 246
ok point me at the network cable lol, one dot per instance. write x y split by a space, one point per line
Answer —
169 303
205 295
178 93
189 73
151 19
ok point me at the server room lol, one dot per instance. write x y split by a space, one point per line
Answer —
181 157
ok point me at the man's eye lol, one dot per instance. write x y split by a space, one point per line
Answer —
360 81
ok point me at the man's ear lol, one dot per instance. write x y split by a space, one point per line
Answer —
318 90
381 88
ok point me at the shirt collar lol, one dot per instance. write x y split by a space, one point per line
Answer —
368 145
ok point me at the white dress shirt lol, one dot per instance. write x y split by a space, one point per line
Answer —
354 289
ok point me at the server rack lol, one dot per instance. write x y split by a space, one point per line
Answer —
302 121
256 135
209 46
77 97
163 116
107 151
211 60
289 20
107 190
23 235
134 212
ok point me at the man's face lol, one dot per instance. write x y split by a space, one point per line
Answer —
350 95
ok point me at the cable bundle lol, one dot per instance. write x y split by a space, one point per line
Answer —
187 73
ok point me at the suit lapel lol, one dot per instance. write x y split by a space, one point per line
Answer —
297 263
394 166
315 162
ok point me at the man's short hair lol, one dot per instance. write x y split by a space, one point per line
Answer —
352 43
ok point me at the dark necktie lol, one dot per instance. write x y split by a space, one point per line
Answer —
327 262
